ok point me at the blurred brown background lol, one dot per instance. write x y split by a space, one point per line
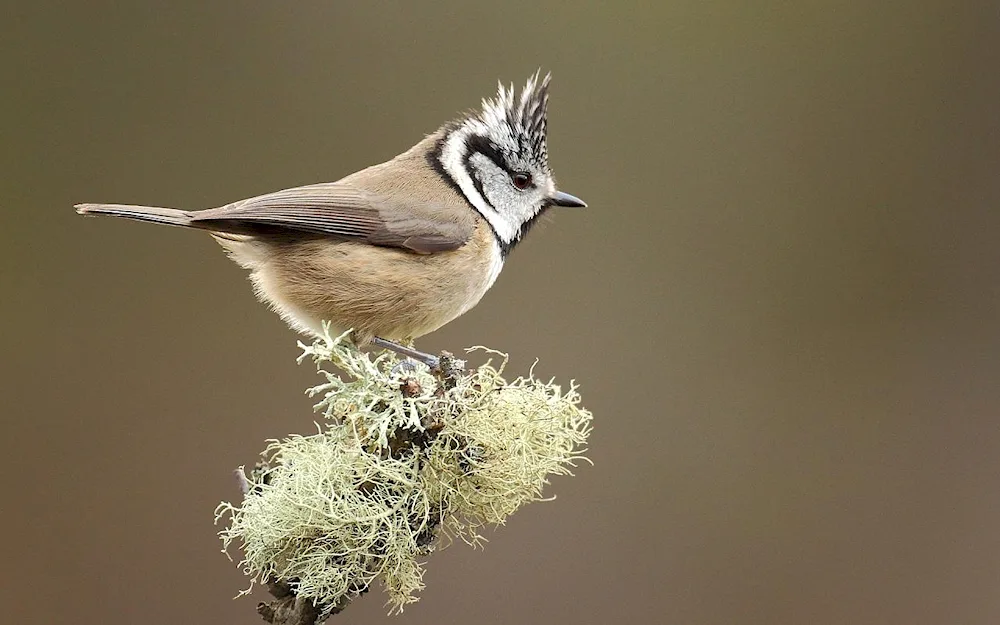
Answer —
782 303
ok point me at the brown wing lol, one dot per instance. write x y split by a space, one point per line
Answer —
341 210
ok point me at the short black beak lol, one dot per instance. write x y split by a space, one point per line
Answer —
565 199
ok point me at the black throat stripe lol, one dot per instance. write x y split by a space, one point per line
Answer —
477 144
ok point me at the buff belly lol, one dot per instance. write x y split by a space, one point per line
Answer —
376 291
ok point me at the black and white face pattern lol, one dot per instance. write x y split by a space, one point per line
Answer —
499 160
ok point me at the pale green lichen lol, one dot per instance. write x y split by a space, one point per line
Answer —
401 459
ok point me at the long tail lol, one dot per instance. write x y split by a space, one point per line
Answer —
154 214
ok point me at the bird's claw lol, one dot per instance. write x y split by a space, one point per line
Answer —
407 365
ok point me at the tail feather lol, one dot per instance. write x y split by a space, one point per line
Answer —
154 214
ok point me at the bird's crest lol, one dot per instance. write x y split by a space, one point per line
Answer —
519 125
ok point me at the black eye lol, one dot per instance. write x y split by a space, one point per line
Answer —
521 180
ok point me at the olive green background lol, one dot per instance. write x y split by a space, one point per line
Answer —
783 303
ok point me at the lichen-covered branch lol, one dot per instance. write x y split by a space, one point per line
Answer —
406 458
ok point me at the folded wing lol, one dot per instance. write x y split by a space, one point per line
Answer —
340 210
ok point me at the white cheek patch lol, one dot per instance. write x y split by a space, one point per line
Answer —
453 160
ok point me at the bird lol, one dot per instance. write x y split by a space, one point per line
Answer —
396 250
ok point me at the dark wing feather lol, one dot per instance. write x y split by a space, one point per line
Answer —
340 210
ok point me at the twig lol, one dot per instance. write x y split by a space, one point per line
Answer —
289 609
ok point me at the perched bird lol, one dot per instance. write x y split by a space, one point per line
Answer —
399 249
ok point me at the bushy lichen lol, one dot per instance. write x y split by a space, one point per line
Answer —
403 457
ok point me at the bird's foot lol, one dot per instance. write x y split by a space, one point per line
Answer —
430 360
407 365
445 368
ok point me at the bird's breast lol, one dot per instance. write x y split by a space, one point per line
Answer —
377 291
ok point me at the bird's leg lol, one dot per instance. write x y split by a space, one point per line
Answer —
428 359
